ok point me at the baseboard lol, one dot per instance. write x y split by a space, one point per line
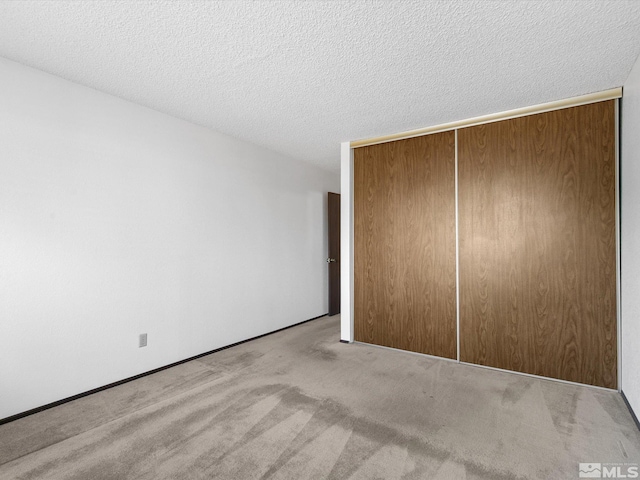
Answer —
135 377
633 414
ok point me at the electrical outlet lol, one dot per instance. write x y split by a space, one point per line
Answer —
143 340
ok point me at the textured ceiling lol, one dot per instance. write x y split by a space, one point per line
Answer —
300 77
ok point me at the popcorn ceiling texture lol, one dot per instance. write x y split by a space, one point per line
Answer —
300 77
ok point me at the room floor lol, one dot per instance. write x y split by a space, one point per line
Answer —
298 404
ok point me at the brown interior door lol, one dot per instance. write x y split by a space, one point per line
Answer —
405 245
333 260
538 244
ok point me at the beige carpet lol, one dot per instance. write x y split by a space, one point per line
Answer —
298 404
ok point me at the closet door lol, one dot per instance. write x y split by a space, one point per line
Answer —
537 244
404 245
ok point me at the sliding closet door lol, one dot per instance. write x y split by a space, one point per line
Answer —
404 239
537 244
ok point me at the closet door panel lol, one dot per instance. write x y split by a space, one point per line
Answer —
404 245
537 244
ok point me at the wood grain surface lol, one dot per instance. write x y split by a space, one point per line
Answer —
537 244
333 214
404 245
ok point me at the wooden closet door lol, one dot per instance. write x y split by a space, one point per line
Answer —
537 244
404 245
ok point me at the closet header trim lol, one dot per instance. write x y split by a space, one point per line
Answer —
495 117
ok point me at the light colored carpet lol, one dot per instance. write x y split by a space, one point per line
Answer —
298 404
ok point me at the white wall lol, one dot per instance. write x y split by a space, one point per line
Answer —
117 220
346 242
630 237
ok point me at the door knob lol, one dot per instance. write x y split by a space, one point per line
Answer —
329 260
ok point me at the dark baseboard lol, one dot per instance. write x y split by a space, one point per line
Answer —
135 377
633 414
344 341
